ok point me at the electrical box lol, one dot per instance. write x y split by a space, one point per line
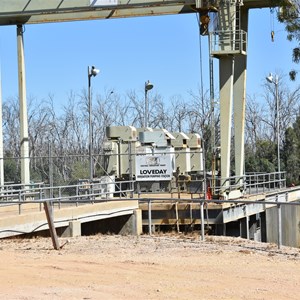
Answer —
196 153
125 133
158 138
111 158
182 152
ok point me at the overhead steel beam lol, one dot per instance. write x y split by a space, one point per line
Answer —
14 12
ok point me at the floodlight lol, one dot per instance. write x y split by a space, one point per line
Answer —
94 71
270 78
148 86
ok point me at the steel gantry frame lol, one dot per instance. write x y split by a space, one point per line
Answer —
232 65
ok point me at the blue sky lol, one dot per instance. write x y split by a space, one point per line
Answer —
128 52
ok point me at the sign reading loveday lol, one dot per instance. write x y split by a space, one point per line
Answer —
153 167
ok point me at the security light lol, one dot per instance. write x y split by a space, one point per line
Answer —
270 78
94 71
148 86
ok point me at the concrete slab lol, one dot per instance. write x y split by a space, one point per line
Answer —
33 219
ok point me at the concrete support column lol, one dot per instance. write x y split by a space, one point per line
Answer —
224 229
134 224
227 21
239 104
73 230
25 172
226 66
247 227
138 222
239 115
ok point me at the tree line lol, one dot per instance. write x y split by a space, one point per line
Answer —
58 137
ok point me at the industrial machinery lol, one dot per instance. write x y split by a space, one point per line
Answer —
155 159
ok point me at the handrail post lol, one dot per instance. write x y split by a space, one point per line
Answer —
202 220
149 217
279 233
20 199
41 197
77 195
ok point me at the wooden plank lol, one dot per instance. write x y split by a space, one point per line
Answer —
52 228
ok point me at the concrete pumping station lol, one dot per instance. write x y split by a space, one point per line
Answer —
155 179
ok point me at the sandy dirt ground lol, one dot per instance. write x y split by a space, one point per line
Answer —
148 267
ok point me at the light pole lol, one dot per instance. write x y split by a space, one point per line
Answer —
148 87
273 80
92 72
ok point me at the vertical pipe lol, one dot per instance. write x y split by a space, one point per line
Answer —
146 108
212 97
90 126
247 227
278 130
20 199
279 225
49 215
130 170
202 220
149 217
40 197
191 213
177 217
50 170
25 173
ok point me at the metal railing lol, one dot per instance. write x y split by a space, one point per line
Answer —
224 42
251 183
85 190
86 193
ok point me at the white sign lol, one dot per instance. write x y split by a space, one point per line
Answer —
153 167
104 2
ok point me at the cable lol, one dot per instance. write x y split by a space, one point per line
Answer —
200 56
272 23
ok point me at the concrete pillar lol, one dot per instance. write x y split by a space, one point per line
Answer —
25 173
73 230
239 103
226 92
290 225
227 20
243 227
133 225
224 229
138 222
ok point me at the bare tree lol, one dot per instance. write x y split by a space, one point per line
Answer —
179 112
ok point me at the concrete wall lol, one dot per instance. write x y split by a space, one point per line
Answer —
290 221
125 225
69 218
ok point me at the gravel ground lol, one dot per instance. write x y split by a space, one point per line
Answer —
169 266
